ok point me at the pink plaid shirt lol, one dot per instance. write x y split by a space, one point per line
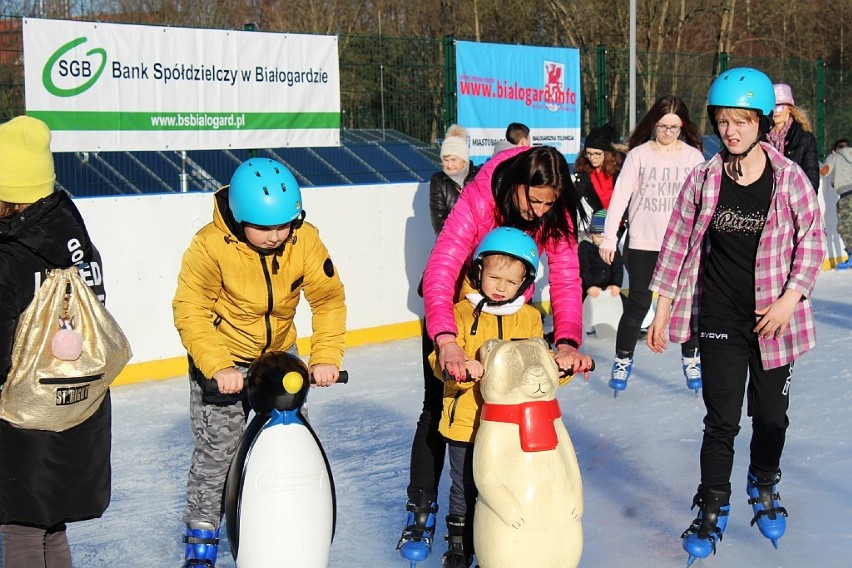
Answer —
789 255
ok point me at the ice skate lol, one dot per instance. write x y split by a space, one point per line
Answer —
770 516
692 371
621 369
202 544
415 543
700 539
459 538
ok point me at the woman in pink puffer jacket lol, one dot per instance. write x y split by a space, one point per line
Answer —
526 188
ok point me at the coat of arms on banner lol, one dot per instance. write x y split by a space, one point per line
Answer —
554 85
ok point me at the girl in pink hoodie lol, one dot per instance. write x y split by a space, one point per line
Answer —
664 147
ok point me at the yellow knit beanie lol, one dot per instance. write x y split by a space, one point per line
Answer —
26 164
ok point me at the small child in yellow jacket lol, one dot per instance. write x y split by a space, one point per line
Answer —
504 266
239 284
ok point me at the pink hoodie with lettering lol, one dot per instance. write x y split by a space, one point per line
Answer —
647 186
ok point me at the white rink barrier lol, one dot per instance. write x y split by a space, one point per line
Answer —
379 237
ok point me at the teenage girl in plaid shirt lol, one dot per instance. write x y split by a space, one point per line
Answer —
739 260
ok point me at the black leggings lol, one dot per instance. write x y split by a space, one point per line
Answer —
428 447
731 369
640 267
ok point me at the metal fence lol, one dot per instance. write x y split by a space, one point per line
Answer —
824 93
408 84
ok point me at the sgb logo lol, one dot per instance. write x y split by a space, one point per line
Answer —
71 69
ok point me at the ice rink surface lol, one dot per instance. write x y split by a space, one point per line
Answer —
638 454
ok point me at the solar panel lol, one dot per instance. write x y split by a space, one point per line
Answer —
366 156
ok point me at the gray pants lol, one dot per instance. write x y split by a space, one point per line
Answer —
31 547
463 489
216 431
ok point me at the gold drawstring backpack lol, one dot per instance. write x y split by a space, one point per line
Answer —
67 350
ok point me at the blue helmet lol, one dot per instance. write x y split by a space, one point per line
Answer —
509 241
744 88
264 192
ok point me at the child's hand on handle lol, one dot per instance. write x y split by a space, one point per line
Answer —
567 357
451 358
475 370
324 375
229 380
656 338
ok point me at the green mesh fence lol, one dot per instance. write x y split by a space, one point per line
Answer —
392 83
685 75
402 85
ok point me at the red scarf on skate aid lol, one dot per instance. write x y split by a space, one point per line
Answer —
535 420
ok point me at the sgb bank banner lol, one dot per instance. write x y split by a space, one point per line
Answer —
538 86
125 87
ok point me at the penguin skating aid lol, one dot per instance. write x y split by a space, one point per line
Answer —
279 495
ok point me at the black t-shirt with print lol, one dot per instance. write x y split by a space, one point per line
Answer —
734 234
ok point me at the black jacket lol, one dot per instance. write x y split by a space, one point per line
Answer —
48 234
443 194
589 198
801 147
586 191
594 271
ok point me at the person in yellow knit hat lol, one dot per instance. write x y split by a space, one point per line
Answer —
239 284
47 479
504 265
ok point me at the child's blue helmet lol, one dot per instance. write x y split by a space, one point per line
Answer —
509 241
745 88
264 192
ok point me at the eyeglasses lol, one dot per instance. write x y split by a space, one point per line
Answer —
668 128
594 154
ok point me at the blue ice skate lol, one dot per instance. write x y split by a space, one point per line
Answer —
692 371
202 543
770 516
415 544
621 368
700 539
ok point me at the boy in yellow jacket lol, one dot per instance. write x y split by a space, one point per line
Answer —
238 288
504 266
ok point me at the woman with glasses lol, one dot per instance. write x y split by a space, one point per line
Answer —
596 170
792 135
664 147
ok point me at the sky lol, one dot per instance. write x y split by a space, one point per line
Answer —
638 456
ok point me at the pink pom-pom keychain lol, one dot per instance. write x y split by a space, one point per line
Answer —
67 344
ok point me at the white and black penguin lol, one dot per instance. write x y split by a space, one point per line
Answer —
279 495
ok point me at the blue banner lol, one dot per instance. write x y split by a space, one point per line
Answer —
538 86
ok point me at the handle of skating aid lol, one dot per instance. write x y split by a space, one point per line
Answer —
570 370
445 374
342 378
